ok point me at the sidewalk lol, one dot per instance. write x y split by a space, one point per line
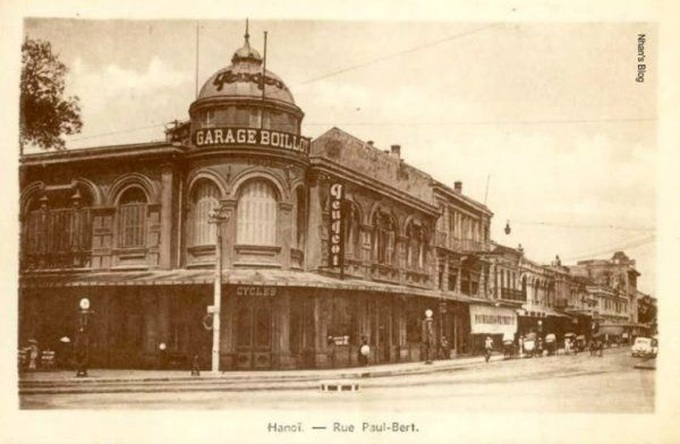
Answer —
119 381
114 375
111 380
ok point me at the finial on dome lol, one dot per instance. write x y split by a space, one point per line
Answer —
246 53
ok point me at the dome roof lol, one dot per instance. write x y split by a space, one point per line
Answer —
243 79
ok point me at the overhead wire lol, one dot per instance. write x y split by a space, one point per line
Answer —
613 248
112 133
577 226
398 54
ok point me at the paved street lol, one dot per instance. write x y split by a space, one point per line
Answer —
578 384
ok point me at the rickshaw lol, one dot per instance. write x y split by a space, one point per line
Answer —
508 345
551 343
580 343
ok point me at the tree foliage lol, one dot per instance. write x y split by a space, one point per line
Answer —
45 114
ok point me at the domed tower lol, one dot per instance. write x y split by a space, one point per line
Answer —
244 95
246 156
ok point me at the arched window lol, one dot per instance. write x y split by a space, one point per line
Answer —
384 237
257 214
352 233
132 218
417 246
205 197
299 219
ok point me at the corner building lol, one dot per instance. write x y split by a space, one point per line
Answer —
129 227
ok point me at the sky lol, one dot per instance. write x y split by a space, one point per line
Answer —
542 122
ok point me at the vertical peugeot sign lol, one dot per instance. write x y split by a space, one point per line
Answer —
336 241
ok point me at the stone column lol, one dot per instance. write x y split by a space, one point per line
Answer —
320 329
227 337
458 278
282 331
284 232
316 231
166 216
150 327
228 233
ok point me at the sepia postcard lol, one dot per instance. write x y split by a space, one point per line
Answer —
401 225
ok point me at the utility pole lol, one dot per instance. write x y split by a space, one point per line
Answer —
217 216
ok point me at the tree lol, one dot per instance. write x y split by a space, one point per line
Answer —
45 114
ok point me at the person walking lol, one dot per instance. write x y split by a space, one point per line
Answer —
195 366
364 351
567 346
488 347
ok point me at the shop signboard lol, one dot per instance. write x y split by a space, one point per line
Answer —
486 319
336 234
256 137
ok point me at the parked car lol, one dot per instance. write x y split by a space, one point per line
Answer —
644 347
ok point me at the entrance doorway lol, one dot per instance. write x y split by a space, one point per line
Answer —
253 333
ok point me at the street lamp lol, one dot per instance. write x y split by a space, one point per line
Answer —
428 335
82 339
217 216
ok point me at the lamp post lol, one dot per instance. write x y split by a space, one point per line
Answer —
82 339
428 335
217 216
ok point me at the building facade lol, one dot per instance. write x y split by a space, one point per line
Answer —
319 245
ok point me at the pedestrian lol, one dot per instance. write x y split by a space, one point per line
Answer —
550 343
33 354
539 347
508 345
444 348
488 347
364 351
521 346
567 346
195 366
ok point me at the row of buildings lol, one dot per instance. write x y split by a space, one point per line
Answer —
321 243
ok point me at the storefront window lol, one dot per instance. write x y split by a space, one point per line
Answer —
340 327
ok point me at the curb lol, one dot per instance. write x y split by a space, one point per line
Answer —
223 382
233 383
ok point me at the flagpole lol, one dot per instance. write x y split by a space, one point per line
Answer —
196 75
264 83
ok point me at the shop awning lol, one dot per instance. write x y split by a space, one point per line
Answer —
540 312
279 278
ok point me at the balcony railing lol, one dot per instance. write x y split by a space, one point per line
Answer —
510 294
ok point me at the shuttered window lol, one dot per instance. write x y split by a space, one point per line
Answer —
257 215
132 219
206 198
